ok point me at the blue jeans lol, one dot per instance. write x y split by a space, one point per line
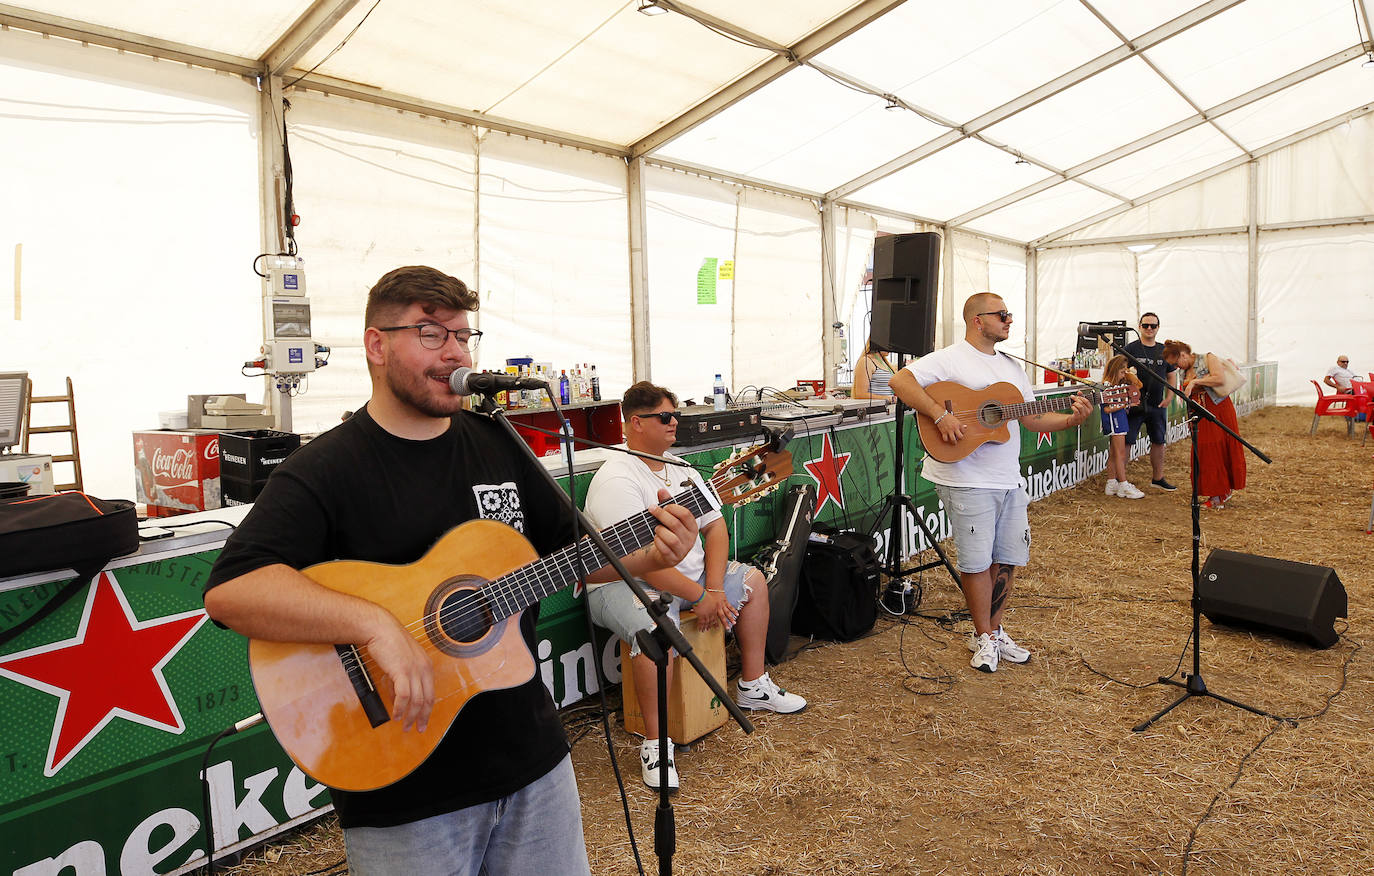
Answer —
536 830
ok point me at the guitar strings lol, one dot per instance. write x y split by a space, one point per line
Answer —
503 595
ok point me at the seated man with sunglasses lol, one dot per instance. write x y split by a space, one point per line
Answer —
706 580
983 493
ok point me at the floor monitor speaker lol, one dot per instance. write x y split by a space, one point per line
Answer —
1294 600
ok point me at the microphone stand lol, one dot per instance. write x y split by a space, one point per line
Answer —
657 645
1193 684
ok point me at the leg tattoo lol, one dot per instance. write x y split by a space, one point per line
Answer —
1001 577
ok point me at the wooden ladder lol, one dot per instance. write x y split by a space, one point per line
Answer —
75 456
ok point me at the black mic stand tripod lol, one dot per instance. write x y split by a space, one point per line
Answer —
1193 684
657 645
897 502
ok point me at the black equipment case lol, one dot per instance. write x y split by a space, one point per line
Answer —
703 424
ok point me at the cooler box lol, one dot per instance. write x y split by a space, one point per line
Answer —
177 471
248 457
693 710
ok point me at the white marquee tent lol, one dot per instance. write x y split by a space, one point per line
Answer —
581 161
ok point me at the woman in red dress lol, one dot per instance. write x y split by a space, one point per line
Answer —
1220 458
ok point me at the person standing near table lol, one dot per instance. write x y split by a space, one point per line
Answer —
1154 401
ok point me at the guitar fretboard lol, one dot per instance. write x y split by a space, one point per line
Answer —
1044 405
521 588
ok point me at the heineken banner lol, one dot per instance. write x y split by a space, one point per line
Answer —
111 699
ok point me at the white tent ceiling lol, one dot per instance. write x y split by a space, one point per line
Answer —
1019 119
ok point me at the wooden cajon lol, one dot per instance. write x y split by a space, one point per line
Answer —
693 709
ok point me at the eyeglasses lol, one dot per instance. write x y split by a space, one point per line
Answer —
1004 315
1342 361
1153 325
664 417
434 336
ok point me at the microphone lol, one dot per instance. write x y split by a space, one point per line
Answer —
466 381
1092 329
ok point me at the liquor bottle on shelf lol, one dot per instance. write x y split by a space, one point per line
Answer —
563 388
596 384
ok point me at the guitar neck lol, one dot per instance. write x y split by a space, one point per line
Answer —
523 587
1044 405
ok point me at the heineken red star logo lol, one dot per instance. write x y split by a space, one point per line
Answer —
111 669
826 469
1043 438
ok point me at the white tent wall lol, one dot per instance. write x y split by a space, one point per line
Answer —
853 305
1198 289
376 189
1081 284
1316 301
777 324
1007 277
689 220
131 185
553 258
1328 176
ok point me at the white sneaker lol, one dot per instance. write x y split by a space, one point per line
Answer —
1111 487
648 764
1128 490
985 658
1007 649
763 694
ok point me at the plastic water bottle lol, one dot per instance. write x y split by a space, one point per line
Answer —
563 388
719 392
596 384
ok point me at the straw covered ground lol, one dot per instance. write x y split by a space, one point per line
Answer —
908 761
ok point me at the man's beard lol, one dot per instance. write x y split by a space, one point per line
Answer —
410 389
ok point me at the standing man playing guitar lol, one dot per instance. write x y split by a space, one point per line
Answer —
497 795
707 581
983 492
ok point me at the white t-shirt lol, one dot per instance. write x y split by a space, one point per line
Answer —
625 486
1343 376
992 466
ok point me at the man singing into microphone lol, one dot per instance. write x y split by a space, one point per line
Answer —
983 493
497 795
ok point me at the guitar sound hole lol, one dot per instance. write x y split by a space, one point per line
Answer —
459 613
990 415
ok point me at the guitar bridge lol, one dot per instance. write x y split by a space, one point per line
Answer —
368 698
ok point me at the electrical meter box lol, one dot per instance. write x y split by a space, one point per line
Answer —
286 275
289 318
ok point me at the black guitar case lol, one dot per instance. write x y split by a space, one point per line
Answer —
781 561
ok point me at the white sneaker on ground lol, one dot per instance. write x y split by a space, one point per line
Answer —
1007 650
1128 490
1111 487
763 694
648 764
985 658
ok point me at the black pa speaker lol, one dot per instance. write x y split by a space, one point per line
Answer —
906 275
1294 600
899 256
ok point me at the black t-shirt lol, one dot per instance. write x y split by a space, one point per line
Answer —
360 493
1156 373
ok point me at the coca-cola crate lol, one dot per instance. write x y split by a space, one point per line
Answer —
249 456
176 471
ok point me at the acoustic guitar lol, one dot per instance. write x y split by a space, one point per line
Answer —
330 707
986 412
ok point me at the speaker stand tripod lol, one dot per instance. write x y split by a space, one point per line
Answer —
898 502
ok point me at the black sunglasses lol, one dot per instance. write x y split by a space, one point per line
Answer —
1004 315
1149 325
664 417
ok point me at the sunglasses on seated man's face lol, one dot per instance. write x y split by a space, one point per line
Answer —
664 417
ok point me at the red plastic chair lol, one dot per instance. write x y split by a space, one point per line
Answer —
1339 405
1364 398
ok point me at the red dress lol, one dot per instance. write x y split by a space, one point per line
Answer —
1220 458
